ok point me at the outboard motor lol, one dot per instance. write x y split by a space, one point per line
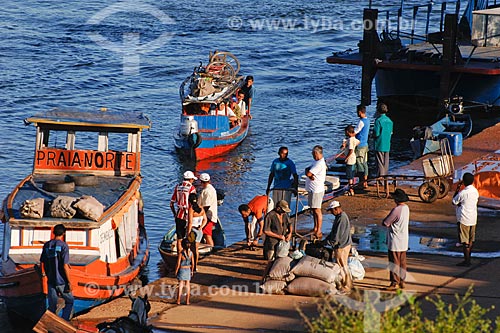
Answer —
189 129
188 126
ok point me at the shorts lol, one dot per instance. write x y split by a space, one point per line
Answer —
198 233
282 195
180 228
467 233
208 229
349 171
315 200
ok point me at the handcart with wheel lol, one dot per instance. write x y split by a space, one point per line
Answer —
435 181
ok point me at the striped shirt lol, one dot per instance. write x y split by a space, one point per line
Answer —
181 196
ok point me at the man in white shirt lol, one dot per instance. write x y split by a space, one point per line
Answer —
315 187
208 200
465 201
241 103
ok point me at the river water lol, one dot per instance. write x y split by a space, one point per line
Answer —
48 59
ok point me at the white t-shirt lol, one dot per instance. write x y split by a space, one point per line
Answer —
318 169
243 107
197 221
352 142
208 197
466 202
230 112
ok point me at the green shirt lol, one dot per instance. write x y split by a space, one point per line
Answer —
382 132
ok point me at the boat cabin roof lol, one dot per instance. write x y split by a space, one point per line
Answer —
111 120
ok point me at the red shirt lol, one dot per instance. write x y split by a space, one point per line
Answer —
258 206
181 196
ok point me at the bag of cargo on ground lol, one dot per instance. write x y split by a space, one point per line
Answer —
32 208
89 207
307 286
283 249
316 268
355 265
280 270
318 250
273 287
62 207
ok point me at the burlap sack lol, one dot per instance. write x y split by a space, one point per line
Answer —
316 268
89 207
61 207
273 287
306 286
32 208
281 270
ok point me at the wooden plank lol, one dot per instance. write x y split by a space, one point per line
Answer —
54 324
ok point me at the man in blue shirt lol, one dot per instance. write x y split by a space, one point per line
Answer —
285 177
55 264
362 131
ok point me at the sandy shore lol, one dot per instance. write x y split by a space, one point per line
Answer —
225 290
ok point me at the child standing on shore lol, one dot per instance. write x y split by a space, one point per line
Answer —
350 159
184 270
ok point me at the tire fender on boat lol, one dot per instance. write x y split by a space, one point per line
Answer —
58 186
194 140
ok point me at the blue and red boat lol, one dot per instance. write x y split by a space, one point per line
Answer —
205 131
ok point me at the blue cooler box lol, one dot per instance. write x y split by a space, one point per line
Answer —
455 139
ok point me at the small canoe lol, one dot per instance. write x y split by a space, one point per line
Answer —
168 245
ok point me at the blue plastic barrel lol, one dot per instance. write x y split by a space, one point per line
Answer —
455 139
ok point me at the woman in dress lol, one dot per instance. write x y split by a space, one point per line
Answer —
184 269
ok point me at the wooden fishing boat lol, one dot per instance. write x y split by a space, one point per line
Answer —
204 132
168 245
77 154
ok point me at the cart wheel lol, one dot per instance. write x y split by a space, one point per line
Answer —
443 185
428 192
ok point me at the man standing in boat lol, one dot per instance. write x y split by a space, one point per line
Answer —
249 91
180 197
208 200
241 102
55 265
285 177
362 131
315 187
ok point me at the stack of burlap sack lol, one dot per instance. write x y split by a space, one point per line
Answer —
307 276
63 207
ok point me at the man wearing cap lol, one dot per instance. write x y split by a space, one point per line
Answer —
465 201
180 197
397 239
208 200
256 209
277 227
284 175
341 241
315 187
